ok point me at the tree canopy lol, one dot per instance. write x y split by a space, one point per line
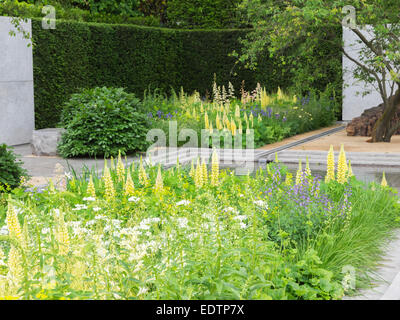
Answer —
278 24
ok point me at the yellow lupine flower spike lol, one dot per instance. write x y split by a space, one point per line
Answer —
330 171
342 166
61 234
299 173
159 186
15 265
384 182
214 169
198 176
142 174
109 185
13 225
204 171
350 171
289 179
91 190
129 186
120 168
307 170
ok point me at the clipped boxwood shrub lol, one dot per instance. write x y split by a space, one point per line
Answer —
102 121
11 171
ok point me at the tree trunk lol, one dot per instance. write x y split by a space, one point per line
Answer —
382 131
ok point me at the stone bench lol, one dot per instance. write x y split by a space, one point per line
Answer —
44 142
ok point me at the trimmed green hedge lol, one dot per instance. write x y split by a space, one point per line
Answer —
84 55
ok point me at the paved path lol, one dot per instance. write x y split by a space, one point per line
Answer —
43 168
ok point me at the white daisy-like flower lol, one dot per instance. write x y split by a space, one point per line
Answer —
45 230
133 199
243 225
183 202
68 175
230 209
240 218
96 209
182 222
79 207
89 199
261 204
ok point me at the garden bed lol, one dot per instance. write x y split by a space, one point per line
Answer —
193 233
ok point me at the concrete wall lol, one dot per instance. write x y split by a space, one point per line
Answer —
16 86
353 101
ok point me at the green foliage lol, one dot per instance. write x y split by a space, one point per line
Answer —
103 13
102 121
11 171
116 7
187 242
85 55
309 53
155 8
205 14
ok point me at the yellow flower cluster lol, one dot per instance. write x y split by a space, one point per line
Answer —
159 186
129 186
299 173
108 183
15 266
143 179
307 171
120 168
198 175
61 234
91 190
214 169
384 182
330 172
13 225
289 179
342 166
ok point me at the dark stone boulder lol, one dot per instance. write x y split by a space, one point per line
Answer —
364 124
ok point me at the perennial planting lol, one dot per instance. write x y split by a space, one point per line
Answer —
273 117
197 232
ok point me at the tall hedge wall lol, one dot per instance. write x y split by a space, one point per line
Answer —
77 55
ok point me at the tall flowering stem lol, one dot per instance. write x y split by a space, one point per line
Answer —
159 186
120 168
299 174
13 225
342 166
142 174
129 186
198 176
91 190
384 182
214 169
330 170
109 185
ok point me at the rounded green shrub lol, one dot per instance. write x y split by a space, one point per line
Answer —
102 121
11 171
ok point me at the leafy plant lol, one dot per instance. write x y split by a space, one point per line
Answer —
11 170
102 121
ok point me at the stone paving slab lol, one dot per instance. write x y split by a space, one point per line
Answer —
351 144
